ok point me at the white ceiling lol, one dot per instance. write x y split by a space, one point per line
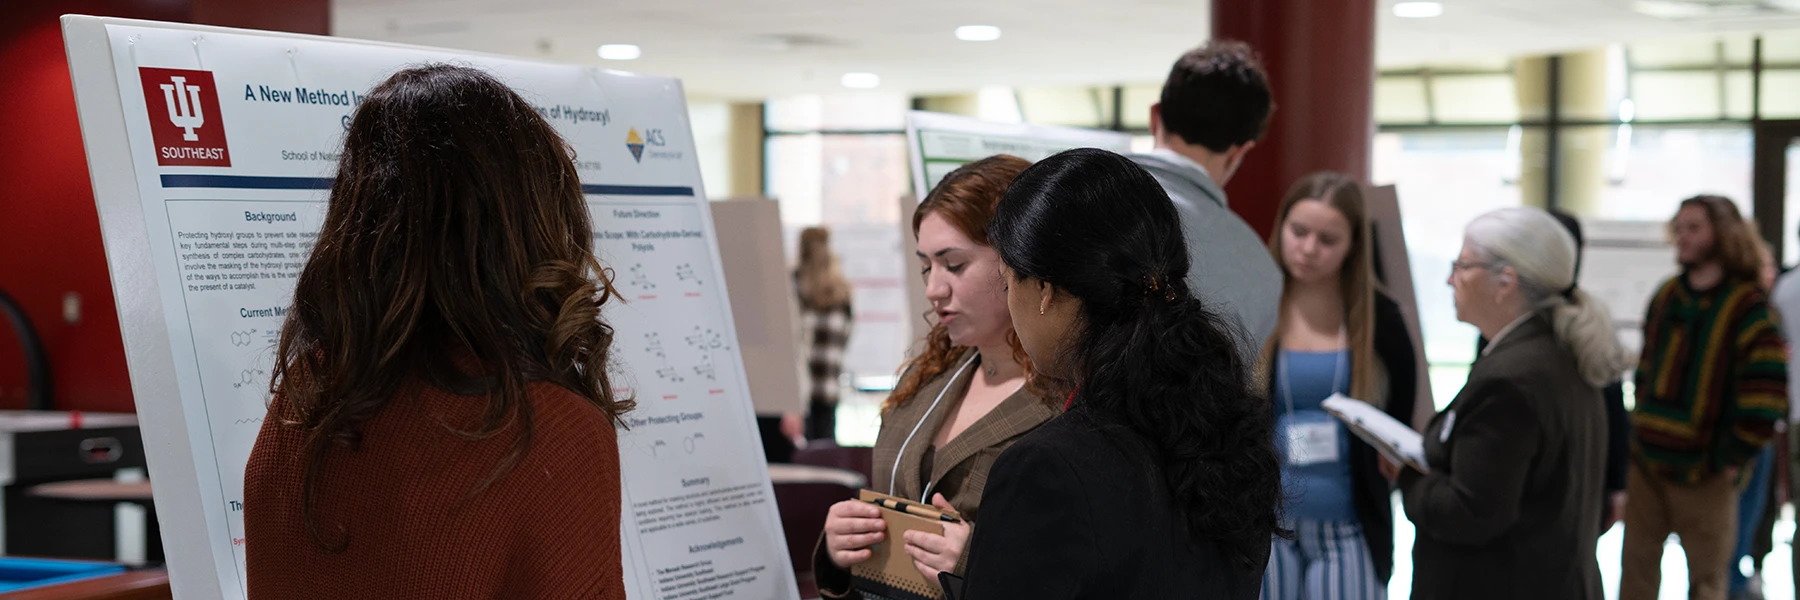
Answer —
726 48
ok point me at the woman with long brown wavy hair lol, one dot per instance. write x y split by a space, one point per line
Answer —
442 424
961 401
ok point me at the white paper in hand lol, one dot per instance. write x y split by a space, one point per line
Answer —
1395 440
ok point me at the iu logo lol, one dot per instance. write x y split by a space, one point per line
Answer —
184 117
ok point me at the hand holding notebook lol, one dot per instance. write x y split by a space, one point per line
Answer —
891 572
1394 439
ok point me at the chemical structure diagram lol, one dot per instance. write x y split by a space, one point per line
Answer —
688 443
653 346
641 280
707 342
250 378
685 273
243 338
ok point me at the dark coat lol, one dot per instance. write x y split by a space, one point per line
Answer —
1078 509
1517 459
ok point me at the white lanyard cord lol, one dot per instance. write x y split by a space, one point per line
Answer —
894 474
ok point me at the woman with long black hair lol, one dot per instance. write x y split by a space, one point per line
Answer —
1161 480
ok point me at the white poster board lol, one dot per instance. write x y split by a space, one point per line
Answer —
762 302
211 151
938 143
1395 268
1623 265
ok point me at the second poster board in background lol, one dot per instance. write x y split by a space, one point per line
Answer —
762 302
939 143
1394 269
1623 264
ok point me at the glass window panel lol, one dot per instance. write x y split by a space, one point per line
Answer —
1445 179
1138 99
1649 170
1674 52
1737 94
855 112
1073 106
1401 99
1660 96
1738 49
1475 99
1781 94
1781 47
711 122
1494 63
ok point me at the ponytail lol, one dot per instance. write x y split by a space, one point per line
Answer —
1585 326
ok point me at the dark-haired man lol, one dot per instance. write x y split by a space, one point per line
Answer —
1214 106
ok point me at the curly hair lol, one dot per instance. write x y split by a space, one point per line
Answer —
456 250
966 199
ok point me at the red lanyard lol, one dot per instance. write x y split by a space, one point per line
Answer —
1071 401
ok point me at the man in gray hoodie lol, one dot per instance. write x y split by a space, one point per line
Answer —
1214 106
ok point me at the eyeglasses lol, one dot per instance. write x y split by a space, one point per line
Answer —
1458 266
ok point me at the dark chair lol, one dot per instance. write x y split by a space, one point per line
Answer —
826 453
804 495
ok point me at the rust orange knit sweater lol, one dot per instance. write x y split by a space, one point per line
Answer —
548 529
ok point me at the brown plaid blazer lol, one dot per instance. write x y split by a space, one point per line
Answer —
959 469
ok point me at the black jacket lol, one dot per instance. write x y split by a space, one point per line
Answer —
1517 459
1078 510
1618 438
1374 504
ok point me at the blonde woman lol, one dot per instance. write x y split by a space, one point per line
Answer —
825 316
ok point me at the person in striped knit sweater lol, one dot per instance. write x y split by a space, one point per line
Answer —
1711 383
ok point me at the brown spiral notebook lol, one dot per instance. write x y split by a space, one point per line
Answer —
890 573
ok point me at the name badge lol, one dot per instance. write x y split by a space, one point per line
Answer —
1312 443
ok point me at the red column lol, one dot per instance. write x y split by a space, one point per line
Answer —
1321 62
49 231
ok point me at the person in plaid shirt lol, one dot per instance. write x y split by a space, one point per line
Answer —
825 318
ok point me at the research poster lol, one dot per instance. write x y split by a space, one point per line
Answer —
212 152
939 143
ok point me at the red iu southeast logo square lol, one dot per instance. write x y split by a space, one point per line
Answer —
184 118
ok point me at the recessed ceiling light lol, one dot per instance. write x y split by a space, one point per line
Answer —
1418 10
620 52
978 33
861 81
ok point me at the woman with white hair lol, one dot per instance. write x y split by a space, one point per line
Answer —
1517 458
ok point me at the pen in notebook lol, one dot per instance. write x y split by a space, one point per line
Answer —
915 509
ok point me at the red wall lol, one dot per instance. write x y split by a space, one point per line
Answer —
49 232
